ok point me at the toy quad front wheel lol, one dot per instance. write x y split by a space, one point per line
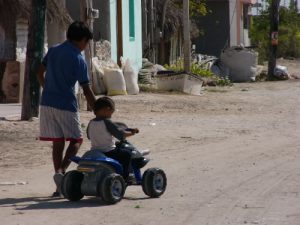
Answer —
112 188
71 185
154 182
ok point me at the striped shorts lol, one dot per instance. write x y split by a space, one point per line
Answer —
59 125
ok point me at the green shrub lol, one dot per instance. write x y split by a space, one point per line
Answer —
289 33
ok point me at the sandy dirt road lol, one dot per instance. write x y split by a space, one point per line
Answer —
232 156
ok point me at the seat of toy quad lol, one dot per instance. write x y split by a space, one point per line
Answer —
94 158
93 154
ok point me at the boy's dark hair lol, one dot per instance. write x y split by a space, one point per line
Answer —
104 102
78 31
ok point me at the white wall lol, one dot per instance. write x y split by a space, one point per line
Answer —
133 49
113 30
232 22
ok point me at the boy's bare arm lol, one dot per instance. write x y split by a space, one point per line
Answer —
40 75
128 134
89 94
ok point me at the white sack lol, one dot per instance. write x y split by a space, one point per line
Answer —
98 78
115 82
131 78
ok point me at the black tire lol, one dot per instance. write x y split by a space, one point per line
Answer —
154 182
71 185
112 188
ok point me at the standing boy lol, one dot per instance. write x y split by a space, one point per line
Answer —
59 117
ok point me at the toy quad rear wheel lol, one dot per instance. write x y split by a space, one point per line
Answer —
112 188
71 185
154 182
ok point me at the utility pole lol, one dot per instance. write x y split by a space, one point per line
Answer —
34 54
274 25
152 32
187 36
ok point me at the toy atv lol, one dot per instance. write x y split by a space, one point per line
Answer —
98 175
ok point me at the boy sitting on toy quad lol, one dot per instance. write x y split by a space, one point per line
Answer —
104 133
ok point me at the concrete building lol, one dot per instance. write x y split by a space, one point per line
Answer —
226 25
120 22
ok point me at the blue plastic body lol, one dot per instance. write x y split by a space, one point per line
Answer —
137 174
115 164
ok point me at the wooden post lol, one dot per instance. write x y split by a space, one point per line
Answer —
152 23
162 53
89 52
34 54
187 36
120 31
274 24
2 71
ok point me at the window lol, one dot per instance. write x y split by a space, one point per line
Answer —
131 21
246 9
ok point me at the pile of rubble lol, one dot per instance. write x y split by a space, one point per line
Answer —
148 72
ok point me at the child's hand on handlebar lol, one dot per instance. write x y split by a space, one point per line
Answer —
135 131
132 131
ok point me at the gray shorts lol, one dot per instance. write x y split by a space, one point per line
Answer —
59 125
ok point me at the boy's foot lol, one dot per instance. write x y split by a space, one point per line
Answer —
57 179
56 194
130 179
145 152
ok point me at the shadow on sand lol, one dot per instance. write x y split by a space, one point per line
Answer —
43 203
39 203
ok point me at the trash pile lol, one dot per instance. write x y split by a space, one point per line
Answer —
158 77
108 77
237 63
147 75
281 72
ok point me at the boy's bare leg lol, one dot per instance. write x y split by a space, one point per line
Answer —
71 152
57 155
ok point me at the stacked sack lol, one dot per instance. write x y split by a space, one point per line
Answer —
131 78
109 79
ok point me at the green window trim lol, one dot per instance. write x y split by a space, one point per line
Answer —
131 21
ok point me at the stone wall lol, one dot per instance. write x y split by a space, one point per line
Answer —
12 81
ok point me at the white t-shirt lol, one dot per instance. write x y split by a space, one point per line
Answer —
103 134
